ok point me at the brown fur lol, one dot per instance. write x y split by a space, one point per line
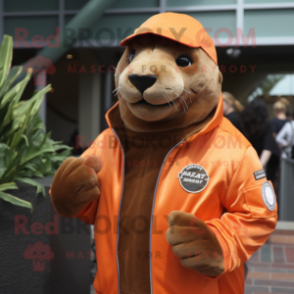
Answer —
75 185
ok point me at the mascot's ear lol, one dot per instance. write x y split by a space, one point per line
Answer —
220 77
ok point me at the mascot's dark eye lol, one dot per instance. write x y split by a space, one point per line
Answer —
184 60
132 55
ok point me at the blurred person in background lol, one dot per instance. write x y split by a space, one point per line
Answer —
232 109
259 130
285 139
280 119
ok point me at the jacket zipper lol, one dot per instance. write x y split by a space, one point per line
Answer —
118 219
152 211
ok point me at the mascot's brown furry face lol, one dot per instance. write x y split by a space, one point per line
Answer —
166 84
159 192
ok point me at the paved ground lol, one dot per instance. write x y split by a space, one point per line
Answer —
271 268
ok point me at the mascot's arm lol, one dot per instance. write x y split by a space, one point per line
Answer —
75 190
220 245
248 222
88 213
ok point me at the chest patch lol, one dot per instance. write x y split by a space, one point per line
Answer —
268 196
193 178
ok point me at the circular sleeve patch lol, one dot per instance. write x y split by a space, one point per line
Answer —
268 196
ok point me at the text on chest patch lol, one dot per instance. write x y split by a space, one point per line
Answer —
193 178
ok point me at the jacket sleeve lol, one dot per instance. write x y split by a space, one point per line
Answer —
251 213
88 213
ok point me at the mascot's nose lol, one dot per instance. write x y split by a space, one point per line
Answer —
142 82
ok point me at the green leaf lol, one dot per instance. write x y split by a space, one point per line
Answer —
12 161
40 188
6 57
3 114
38 98
3 146
38 174
8 186
35 153
18 89
16 201
3 151
20 109
5 131
58 158
13 74
15 139
30 166
20 134
26 140
59 147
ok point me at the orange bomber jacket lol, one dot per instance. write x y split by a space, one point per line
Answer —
216 175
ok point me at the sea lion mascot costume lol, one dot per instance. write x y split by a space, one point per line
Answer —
177 196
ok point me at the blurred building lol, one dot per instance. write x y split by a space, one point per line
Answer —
254 38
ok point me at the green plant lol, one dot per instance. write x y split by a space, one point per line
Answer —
26 150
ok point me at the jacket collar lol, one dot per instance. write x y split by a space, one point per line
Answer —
215 121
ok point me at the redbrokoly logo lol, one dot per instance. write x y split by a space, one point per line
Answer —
38 253
40 66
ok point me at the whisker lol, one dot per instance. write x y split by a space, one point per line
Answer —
182 99
187 92
117 93
189 95
115 90
168 102
185 104
172 101
182 89
122 95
